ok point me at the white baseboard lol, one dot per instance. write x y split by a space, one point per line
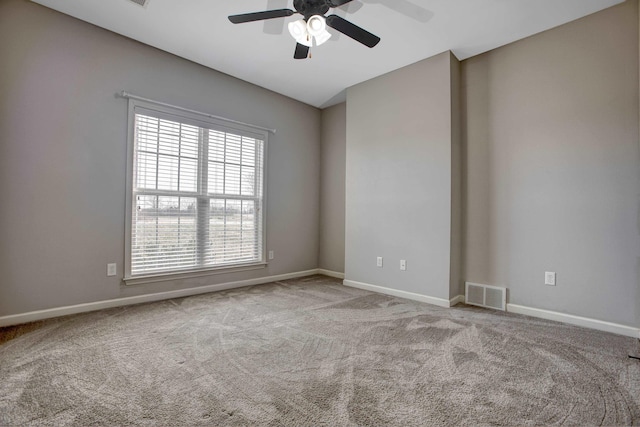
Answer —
119 302
33 316
456 300
331 273
441 302
575 320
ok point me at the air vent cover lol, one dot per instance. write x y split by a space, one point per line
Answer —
486 296
140 2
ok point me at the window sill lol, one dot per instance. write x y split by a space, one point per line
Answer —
163 277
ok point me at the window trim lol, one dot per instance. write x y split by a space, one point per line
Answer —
201 120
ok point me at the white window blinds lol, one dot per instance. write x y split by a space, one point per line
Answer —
197 197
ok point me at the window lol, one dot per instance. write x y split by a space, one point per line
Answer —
196 200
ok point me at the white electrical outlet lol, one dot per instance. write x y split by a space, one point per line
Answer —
271 255
550 278
403 264
379 261
112 269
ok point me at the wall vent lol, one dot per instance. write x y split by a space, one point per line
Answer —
486 296
142 3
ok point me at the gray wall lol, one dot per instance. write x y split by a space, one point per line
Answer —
63 161
398 178
552 167
456 271
332 197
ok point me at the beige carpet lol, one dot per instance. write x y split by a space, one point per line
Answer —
312 352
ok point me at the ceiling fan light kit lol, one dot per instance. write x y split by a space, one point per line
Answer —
314 25
298 30
317 27
305 32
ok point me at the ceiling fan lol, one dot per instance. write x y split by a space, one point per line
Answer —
313 26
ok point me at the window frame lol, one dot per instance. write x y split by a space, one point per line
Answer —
163 111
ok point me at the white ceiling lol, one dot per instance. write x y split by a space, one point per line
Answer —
411 30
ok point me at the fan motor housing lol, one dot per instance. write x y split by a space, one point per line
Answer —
308 8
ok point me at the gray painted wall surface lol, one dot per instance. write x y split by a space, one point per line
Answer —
398 178
62 157
552 167
332 196
550 163
456 281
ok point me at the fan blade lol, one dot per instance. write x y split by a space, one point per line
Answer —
352 30
302 51
274 26
338 3
259 16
